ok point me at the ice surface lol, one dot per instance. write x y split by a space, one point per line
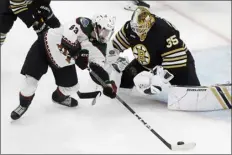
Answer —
108 127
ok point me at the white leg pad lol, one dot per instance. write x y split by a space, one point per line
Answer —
29 86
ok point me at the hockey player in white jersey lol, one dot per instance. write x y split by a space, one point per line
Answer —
80 42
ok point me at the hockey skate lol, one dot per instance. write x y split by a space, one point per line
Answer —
18 112
22 108
61 99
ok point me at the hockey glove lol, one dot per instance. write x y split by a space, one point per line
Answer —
39 26
48 16
83 59
120 64
110 90
152 83
160 78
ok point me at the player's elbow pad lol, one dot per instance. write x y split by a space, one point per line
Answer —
97 69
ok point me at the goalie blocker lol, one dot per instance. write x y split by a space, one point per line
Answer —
200 98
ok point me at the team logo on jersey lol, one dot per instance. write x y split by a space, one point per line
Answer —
141 54
84 22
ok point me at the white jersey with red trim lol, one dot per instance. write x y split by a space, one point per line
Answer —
74 32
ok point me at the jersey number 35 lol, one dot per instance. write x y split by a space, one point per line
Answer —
172 41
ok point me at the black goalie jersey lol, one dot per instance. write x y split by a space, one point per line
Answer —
162 46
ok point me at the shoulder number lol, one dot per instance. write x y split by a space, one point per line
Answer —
172 41
74 28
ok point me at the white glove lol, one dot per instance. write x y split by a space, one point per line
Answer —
149 84
121 64
160 78
165 75
142 82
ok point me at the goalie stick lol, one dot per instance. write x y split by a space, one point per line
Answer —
175 147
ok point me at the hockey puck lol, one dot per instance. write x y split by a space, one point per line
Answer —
180 143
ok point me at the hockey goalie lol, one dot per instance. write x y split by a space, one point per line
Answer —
163 67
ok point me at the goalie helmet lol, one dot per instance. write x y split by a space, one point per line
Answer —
141 21
103 27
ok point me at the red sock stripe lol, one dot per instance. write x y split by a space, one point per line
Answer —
26 97
60 93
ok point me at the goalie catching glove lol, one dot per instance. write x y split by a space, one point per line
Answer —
151 83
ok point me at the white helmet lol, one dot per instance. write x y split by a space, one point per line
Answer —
103 27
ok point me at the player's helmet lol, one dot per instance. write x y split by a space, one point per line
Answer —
141 21
103 27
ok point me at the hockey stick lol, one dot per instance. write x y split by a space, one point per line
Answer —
179 146
88 95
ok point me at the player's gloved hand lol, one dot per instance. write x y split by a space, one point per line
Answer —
82 59
163 73
46 12
161 77
152 83
110 90
120 64
49 18
39 26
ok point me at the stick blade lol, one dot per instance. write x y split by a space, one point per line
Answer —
186 146
95 99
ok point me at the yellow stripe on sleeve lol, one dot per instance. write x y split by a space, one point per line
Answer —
173 51
175 66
